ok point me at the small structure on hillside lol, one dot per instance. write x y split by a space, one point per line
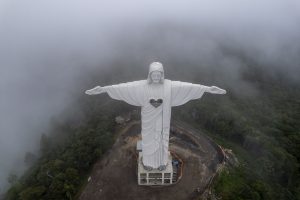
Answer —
122 119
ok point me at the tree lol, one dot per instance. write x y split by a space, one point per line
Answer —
29 158
12 178
32 193
44 143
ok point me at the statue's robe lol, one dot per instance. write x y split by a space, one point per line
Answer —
155 120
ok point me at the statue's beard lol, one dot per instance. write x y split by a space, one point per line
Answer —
150 81
156 81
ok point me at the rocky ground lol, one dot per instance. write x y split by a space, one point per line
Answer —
114 176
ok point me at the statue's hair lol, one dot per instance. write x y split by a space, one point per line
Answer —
156 66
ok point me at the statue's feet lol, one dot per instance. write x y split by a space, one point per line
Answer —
162 167
148 168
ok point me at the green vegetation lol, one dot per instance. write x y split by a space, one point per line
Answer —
240 184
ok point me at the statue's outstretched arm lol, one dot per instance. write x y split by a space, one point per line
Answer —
215 90
96 90
183 92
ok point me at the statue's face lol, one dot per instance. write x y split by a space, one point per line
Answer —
156 76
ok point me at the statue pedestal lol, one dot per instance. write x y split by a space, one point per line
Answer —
155 176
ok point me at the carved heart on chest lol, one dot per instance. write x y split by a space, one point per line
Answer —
156 102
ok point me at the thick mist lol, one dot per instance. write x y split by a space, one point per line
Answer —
49 50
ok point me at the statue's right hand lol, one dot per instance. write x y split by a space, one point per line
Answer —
89 92
94 91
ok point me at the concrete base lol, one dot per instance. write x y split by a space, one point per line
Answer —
155 176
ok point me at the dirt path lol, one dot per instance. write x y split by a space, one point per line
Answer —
114 176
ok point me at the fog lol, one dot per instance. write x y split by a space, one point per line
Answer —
50 49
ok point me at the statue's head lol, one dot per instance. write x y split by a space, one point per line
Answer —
156 73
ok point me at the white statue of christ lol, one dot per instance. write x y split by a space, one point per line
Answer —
155 96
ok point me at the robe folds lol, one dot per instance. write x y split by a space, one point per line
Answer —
155 119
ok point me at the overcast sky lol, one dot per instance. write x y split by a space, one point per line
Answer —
47 47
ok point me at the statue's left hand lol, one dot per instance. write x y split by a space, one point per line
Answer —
217 90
